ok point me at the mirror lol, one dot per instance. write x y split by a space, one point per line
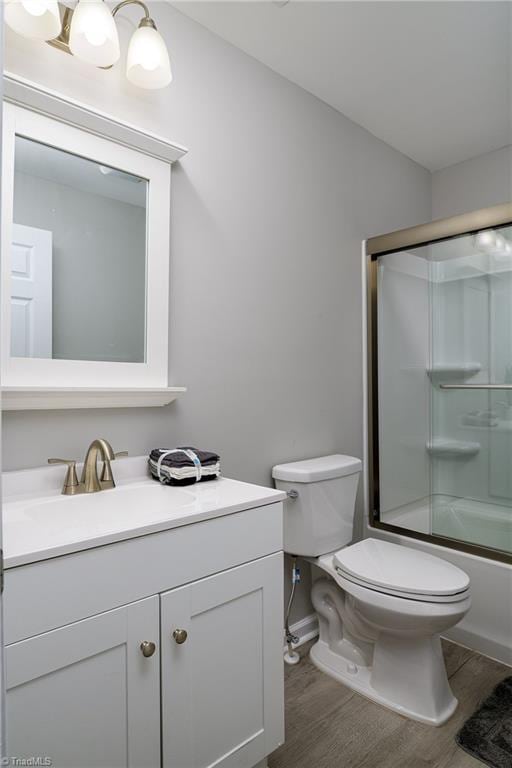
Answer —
78 258
84 283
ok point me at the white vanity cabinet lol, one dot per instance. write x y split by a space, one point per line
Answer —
80 690
84 695
222 687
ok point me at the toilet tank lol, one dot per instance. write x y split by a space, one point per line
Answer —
320 518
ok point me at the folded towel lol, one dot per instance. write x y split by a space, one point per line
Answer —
183 466
178 457
183 474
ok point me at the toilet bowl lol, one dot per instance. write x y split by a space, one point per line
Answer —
381 607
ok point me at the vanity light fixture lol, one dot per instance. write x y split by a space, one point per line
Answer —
35 19
89 32
93 34
147 62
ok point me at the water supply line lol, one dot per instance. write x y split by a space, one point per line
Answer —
291 656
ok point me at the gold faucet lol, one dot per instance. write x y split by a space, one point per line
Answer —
90 479
90 482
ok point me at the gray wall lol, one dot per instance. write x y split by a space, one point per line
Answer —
268 212
483 181
99 268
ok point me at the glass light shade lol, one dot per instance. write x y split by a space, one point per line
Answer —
35 19
93 34
147 62
487 241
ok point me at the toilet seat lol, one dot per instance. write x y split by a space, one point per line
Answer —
345 580
401 571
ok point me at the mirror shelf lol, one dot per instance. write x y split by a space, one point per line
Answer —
61 398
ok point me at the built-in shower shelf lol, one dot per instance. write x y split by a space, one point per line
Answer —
445 448
454 370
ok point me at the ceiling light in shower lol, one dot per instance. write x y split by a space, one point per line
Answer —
504 250
115 173
493 244
35 19
486 240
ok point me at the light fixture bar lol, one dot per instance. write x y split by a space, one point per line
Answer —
133 2
147 65
66 14
147 21
62 41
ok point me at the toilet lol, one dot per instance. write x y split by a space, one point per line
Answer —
381 607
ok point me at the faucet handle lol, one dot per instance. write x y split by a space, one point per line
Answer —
71 480
106 473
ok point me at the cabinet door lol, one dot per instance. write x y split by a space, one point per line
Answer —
222 689
84 695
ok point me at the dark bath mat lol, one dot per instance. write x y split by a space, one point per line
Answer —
487 735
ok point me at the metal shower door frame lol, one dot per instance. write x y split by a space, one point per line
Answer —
392 242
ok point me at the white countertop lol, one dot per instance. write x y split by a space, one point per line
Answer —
40 523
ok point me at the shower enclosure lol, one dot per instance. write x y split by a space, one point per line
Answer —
440 382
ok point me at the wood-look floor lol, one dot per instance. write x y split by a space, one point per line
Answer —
330 726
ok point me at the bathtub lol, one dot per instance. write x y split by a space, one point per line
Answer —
468 520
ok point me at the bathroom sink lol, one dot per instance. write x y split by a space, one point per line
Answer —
39 522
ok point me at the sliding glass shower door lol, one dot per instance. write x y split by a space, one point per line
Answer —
443 390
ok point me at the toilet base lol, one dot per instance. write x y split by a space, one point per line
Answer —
359 678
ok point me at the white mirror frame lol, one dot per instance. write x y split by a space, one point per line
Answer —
24 378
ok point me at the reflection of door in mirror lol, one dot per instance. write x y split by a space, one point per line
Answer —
95 216
31 292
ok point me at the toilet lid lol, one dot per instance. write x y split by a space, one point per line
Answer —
382 565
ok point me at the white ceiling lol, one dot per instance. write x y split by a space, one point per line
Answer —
432 79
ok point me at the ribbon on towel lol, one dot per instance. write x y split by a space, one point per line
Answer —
194 458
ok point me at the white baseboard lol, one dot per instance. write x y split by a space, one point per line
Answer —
484 645
305 629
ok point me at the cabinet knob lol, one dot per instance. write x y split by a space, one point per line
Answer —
148 648
180 635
